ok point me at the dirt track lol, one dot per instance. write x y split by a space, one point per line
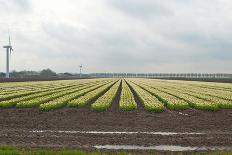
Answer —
16 126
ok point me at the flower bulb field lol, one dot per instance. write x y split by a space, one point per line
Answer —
153 95
83 114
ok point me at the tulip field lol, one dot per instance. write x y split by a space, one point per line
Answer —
99 95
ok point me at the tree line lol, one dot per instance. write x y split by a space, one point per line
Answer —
45 73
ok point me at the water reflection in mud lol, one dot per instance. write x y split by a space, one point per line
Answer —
162 148
120 132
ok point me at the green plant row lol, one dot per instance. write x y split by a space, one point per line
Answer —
127 101
193 101
222 103
17 94
214 86
106 100
45 92
198 98
43 99
12 89
223 94
16 88
90 96
204 90
25 88
170 101
63 100
150 103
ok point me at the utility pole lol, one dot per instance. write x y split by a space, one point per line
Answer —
80 70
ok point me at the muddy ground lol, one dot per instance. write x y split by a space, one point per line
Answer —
32 128
16 126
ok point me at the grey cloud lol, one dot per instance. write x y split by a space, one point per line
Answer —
120 48
211 46
11 6
143 8
98 42
107 37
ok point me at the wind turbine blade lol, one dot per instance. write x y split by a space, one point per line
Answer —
9 41
9 37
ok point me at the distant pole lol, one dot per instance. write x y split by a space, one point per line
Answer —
80 70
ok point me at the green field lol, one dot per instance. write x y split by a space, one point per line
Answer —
100 94
13 151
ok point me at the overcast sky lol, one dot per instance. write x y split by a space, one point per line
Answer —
118 35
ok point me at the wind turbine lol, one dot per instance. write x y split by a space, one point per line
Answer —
9 49
80 70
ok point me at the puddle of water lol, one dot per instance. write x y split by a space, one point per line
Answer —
183 114
119 132
161 148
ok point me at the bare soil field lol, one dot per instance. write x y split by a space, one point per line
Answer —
73 128
76 128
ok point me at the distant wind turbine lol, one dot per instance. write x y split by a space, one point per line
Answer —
80 70
9 49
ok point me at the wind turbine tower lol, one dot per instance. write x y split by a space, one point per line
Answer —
9 49
80 70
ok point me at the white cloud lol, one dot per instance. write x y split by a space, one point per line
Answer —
118 36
